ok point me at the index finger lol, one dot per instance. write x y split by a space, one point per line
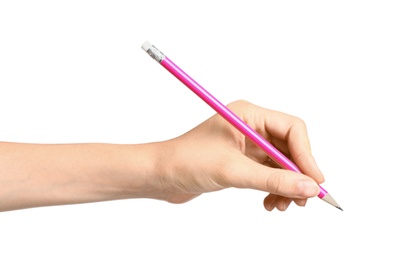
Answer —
293 131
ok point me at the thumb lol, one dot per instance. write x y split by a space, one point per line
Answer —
276 181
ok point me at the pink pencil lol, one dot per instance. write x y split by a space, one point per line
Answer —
228 115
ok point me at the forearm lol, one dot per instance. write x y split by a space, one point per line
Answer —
33 175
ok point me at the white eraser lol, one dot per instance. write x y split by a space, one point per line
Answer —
146 46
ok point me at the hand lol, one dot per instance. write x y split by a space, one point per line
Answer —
210 157
214 156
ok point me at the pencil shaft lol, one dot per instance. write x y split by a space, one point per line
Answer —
231 117
227 114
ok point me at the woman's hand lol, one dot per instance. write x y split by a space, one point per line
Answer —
214 156
211 157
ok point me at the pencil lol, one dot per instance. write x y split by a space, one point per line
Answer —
231 117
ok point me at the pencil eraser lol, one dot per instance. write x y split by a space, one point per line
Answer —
146 46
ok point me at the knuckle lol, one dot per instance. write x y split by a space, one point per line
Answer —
238 104
299 123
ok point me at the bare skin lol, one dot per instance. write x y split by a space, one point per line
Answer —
211 157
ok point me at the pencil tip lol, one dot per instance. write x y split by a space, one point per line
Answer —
329 199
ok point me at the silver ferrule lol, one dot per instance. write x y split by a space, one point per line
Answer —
155 53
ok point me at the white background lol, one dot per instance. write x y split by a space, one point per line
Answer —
74 71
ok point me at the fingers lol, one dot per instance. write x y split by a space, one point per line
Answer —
242 168
286 129
281 203
247 173
288 133
274 201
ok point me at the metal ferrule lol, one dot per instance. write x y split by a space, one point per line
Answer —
155 53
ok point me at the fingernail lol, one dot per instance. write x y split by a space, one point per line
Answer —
308 189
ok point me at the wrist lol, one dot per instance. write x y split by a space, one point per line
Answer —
136 171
